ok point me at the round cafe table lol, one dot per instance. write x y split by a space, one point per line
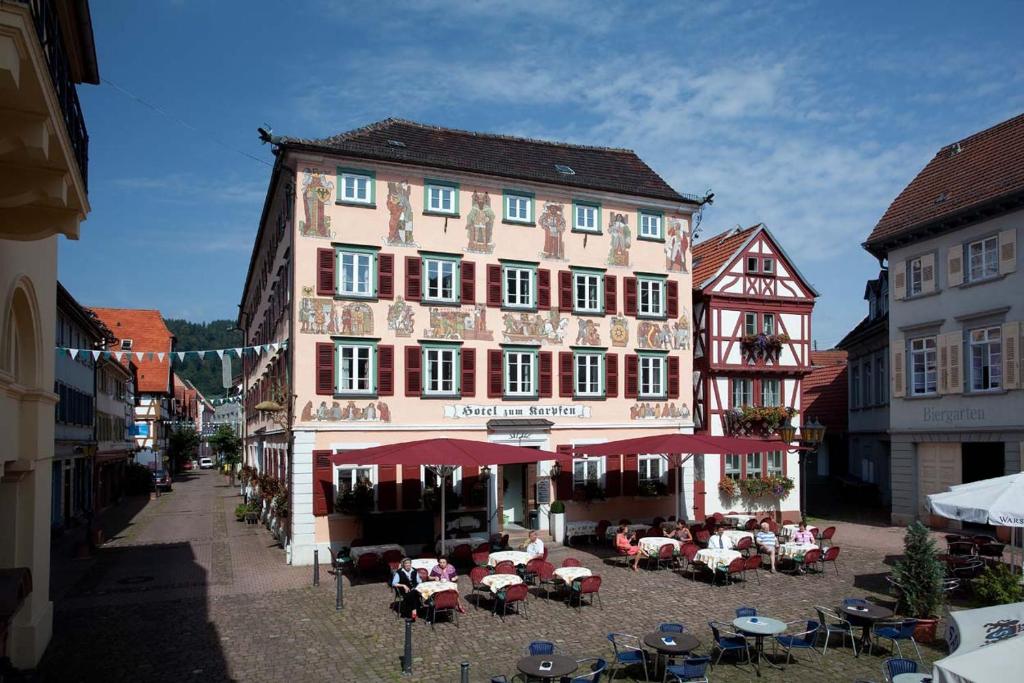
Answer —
864 616
516 557
679 644
759 627
560 666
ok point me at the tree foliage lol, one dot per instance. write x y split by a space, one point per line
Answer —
204 374
227 443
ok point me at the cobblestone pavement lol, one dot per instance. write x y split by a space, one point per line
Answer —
187 593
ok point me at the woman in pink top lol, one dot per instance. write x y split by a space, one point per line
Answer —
442 571
803 535
624 547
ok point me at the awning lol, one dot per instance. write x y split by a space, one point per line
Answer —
682 444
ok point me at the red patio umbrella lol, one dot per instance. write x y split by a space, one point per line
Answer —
677 448
442 456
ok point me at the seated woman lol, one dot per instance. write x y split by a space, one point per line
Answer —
803 535
624 546
405 581
682 533
443 571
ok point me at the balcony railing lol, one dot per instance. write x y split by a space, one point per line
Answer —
44 16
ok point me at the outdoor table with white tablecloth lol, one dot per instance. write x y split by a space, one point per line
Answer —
734 535
474 540
715 557
516 557
795 551
464 522
427 563
738 520
580 527
787 530
652 544
570 574
499 582
356 553
614 529
428 588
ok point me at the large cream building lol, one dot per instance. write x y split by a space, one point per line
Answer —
432 282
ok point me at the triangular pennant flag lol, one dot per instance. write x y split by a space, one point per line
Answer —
107 355
238 352
73 353
139 355
149 355
180 355
220 353
96 355
160 356
266 348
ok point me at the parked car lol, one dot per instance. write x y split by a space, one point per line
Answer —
188 466
206 463
161 480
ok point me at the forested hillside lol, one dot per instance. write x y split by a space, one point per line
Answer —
216 334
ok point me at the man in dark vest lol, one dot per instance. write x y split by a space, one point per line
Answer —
405 581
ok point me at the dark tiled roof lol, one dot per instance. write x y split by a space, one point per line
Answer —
595 168
985 168
824 390
712 253
148 333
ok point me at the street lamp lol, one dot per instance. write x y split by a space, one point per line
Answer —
811 433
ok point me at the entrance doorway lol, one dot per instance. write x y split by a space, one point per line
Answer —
515 498
982 461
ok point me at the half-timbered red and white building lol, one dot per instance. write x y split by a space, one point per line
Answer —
752 342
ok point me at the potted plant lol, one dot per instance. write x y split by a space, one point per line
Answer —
727 487
556 519
919 575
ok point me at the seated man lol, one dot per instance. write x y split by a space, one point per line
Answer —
803 535
623 545
719 541
767 542
405 581
533 545
443 571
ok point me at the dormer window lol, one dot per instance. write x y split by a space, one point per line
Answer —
126 344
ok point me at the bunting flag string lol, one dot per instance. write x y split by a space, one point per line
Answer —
202 356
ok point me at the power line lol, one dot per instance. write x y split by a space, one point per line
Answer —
182 122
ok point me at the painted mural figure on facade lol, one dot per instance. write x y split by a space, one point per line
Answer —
588 334
622 239
448 323
552 223
325 316
677 241
374 411
400 208
668 335
536 327
316 193
619 331
658 411
401 318
480 224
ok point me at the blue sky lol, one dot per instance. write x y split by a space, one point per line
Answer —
810 117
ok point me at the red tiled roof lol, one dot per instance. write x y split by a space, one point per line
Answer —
148 333
402 141
985 167
712 253
824 390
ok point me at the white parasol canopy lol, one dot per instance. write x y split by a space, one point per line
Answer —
985 644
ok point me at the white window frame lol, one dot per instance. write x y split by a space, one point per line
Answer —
353 470
592 375
598 464
768 328
523 205
768 265
531 285
750 472
435 355
777 398
590 215
442 192
518 355
881 379
655 368
754 261
915 276
981 340
592 281
355 178
771 458
747 391
342 287
749 323
988 259
650 304
342 349
441 264
646 461
855 384
651 226
928 354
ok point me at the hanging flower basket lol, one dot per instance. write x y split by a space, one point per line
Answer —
756 420
727 487
761 346
766 487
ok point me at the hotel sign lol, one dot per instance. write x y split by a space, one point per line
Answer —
460 410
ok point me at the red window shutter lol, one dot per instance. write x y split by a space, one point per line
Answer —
629 303
325 369
494 285
632 376
385 370
325 272
673 376
613 476
630 476
565 290
467 273
611 375
413 278
323 483
413 372
468 359
411 486
672 298
543 289
563 489
387 487
611 296
565 374
386 276
494 369
546 378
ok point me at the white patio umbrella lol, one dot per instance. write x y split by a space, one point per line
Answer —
985 645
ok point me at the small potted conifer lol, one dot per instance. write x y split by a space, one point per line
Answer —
919 575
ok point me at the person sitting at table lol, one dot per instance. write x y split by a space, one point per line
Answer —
624 545
803 535
442 571
405 581
767 542
719 541
682 533
668 530
533 545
